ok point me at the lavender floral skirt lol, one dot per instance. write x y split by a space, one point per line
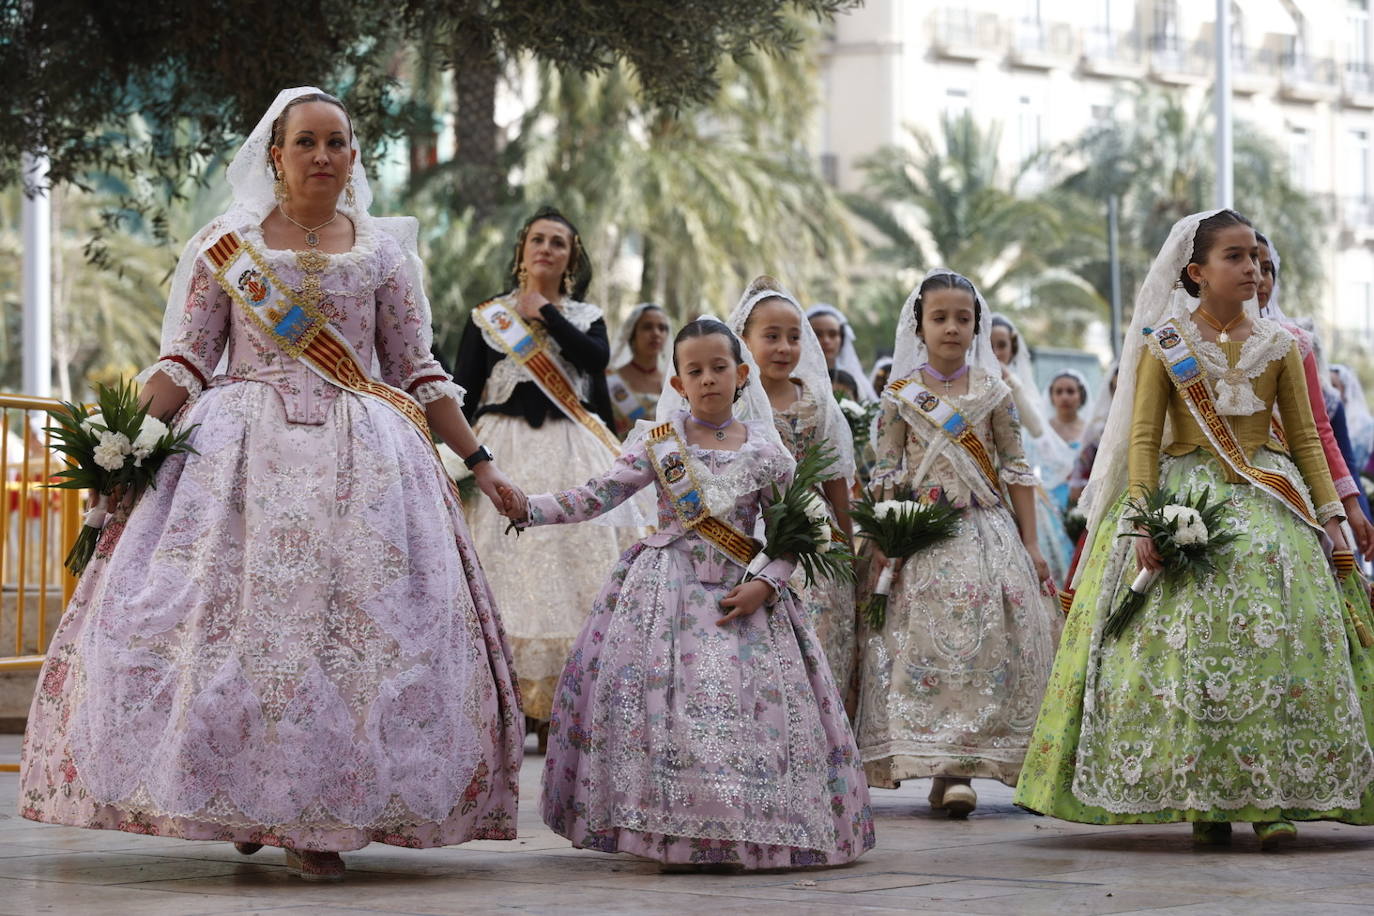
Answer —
681 741
290 642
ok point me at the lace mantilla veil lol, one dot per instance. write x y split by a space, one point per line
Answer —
1161 298
623 352
833 428
250 182
848 358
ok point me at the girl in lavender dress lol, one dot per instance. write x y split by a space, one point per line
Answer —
291 642
696 722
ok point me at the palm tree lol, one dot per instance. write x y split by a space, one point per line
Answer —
948 200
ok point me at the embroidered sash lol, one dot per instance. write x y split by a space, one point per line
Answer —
298 326
519 343
949 421
1186 373
669 457
625 400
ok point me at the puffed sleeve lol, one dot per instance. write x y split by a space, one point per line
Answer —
1014 470
1301 430
1152 391
191 358
889 444
405 340
630 473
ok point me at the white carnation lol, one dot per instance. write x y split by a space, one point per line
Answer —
816 509
892 507
150 432
827 538
1191 529
111 451
851 408
95 419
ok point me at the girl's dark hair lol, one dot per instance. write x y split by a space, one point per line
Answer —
1203 241
948 281
1082 388
705 327
1265 244
278 134
999 321
579 273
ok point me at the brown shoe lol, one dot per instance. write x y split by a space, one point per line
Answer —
247 848
315 866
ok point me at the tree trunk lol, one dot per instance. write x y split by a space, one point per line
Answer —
476 72
648 273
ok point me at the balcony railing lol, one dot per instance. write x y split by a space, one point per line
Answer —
961 31
1357 211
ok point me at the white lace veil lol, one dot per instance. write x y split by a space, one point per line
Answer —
831 425
909 351
848 358
1358 421
250 181
1020 364
1088 402
1160 298
881 363
624 351
1272 311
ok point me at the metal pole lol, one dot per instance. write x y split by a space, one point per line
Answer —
37 241
1225 178
1114 265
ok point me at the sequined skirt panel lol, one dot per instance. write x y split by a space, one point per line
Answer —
546 579
950 686
684 741
288 641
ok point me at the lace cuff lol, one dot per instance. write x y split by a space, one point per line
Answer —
179 370
1328 511
432 390
1346 486
1016 477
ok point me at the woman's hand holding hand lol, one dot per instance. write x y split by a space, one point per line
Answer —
508 499
1147 554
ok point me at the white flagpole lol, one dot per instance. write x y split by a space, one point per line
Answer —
1225 177
37 279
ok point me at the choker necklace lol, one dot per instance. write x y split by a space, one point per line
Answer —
720 430
650 371
1221 329
312 237
948 380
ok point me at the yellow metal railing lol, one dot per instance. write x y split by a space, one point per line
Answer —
37 527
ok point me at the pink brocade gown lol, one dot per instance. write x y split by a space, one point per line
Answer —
686 742
291 641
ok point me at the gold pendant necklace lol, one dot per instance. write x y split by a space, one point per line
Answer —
1222 336
312 236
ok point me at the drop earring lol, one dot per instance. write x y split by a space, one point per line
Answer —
279 190
350 198
522 276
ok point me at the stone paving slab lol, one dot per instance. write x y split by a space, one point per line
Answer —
1000 861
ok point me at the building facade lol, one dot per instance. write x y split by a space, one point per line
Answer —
1044 70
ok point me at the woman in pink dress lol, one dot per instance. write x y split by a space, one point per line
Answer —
289 641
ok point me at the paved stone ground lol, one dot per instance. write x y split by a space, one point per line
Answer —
1001 860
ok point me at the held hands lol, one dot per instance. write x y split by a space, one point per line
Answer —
508 499
744 599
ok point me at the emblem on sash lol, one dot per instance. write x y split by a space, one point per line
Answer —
1168 338
674 469
927 401
254 285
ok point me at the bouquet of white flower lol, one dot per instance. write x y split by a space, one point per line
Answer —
899 528
1186 532
860 419
798 524
116 448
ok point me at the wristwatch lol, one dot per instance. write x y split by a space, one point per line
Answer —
477 457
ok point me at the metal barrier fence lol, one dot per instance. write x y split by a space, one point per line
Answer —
37 527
